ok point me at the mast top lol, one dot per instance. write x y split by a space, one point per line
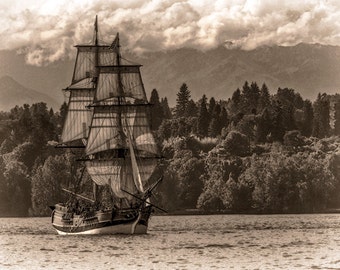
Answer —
96 30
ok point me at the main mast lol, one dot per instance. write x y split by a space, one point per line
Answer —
130 141
116 47
95 79
121 149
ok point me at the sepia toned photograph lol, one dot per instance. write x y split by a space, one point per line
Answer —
169 134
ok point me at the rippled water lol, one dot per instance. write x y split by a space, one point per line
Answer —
180 242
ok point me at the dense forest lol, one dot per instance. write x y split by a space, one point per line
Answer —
252 153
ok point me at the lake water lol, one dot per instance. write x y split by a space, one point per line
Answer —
180 242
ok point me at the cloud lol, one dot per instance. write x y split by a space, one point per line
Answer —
47 30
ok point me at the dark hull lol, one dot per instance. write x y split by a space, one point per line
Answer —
127 221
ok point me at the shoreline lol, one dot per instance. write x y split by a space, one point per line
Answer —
197 212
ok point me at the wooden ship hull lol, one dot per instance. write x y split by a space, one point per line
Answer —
125 221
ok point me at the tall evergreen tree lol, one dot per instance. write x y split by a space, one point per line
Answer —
263 123
224 118
213 129
236 99
59 118
156 110
182 101
246 89
264 98
212 104
286 97
63 112
254 97
321 121
166 108
24 128
203 118
43 129
307 121
277 127
191 110
51 113
245 98
217 111
216 123
298 101
250 97
337 118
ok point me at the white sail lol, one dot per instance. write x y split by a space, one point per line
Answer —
137 121
122 81
105 131
112 128
135 171
118 173
120 145
82 90
78 118
85 66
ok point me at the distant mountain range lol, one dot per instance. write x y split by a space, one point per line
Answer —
12 93
308 68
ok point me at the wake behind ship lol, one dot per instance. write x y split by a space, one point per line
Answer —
107 118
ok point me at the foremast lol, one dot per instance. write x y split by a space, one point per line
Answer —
82 90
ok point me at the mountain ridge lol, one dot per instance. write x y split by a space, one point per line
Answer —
13 93
307 68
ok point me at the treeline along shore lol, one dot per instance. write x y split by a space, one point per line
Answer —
255 152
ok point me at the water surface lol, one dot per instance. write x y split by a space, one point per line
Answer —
180 242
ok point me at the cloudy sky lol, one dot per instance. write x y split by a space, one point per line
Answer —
46 30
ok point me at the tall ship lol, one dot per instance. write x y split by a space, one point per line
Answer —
107 120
